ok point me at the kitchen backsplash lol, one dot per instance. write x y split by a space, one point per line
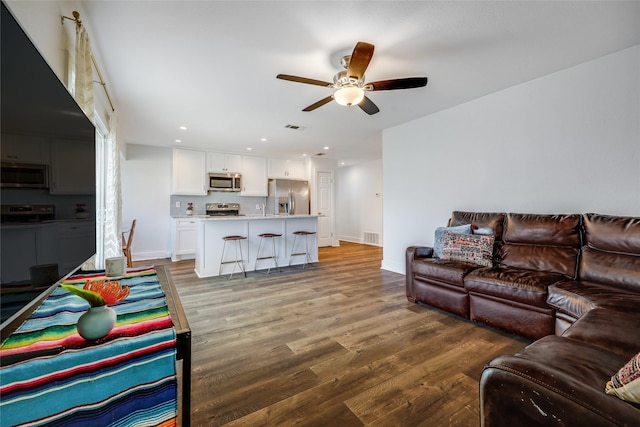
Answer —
247 204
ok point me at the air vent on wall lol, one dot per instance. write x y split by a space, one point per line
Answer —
371 238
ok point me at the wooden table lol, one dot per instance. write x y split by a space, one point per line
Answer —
47 340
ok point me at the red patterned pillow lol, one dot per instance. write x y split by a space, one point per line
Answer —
626 383
474 248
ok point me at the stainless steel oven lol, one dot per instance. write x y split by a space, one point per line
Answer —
24 175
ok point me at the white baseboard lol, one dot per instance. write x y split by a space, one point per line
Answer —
356 240
395 266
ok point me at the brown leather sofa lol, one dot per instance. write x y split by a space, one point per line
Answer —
575 276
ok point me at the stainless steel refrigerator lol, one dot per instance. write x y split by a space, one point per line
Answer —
288 197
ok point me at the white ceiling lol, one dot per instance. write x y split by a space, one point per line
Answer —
212 65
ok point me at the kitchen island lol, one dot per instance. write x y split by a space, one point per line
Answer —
211 230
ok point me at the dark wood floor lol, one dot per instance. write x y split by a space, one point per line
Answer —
335 344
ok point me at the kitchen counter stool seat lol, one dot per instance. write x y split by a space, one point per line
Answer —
306 253
238 260
273 256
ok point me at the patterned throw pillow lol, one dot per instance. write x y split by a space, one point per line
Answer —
439 237
626 383
474 248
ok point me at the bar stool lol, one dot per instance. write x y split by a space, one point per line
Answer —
273 255
239 261
307 254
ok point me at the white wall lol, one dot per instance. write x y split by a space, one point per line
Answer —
566 142
146 180
359 201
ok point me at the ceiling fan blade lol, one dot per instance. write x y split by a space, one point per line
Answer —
304 80
368 106
360 58
407 83
319 103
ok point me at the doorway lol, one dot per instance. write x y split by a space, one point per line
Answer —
326 212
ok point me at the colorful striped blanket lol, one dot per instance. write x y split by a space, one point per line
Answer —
127 378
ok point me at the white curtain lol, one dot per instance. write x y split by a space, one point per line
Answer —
83 90
108 195
112 225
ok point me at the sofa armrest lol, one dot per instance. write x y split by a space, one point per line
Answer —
413 253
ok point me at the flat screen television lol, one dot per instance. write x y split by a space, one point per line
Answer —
47 191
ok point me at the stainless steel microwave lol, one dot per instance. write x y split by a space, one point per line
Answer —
225 182
24 175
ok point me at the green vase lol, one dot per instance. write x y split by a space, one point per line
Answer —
96 322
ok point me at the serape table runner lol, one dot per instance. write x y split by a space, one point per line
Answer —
127 378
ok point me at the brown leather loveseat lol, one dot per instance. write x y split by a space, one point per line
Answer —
571 282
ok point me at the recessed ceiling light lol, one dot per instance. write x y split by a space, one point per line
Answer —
183 127
326 148
263 139
178 140
249 148
304 155
341 163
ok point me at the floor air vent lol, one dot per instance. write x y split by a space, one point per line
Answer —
371 238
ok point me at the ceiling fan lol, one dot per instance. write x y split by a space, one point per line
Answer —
350 85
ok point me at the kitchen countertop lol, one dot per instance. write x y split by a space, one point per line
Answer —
243 217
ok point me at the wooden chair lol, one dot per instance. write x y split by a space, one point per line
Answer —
126 243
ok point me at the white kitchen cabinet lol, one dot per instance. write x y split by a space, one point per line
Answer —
223 162
286 168
183 236
254 176
68 175
24 149
189 172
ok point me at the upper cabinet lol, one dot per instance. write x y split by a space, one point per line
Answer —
189 172
24 149
222 162
70 173
254 176
286 168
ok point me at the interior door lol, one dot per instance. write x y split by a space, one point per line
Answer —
324 183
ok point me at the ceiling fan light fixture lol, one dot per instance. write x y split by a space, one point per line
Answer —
349 95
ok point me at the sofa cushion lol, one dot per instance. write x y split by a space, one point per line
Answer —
554 230
625 384
438 241
612 233
548 243
493 220
613 330
477 249
614 269
567 298
447 271
576 298
551 259
524 286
